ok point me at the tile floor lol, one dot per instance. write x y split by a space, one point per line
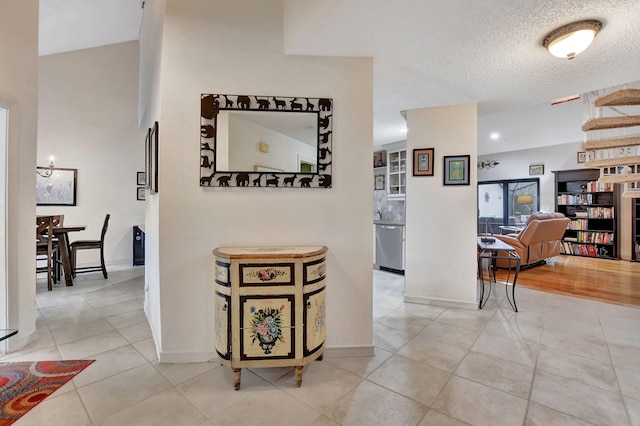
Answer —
560 361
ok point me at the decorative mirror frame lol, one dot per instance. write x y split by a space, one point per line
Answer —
210 106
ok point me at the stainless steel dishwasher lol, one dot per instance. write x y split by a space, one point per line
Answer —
389 247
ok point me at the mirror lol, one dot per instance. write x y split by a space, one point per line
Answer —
262 141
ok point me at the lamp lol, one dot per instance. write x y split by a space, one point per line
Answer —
47 172
571 39
525 199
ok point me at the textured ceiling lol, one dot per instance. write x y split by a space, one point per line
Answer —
431 53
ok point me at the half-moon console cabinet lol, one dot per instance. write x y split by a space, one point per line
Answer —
269 307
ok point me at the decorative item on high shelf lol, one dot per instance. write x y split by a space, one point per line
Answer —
141 178
582 157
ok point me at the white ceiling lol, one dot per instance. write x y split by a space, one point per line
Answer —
431 53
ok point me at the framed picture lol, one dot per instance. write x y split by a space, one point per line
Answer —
582 157
456 170
423 162
536 169
141 193
57 188
378 182
153 146
141 178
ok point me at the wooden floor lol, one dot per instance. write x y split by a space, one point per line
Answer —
611 281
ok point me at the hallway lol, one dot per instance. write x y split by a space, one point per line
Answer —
561 360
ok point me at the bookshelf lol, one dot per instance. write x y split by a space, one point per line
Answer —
593 210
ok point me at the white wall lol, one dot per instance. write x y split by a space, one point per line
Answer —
19 93
515 165
441 248
236 47
247 135
88 103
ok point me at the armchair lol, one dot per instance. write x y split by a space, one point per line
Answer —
538 241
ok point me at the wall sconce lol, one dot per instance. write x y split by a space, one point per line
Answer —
571 39
525 200
47 172
487 164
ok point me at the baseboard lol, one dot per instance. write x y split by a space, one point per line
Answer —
184 357
346 351
447 303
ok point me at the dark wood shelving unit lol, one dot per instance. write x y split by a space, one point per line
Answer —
593 210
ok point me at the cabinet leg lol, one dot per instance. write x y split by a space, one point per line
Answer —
298 376
236 378
320 357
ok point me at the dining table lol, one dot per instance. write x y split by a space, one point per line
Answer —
61 232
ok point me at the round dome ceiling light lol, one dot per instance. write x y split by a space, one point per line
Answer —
572 39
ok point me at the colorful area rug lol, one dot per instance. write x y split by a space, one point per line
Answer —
23 385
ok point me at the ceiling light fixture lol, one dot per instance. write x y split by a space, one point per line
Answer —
571 39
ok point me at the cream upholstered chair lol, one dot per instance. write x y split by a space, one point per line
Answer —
90 245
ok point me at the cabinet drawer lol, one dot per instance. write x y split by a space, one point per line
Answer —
261 274
315 271
266 327
222 273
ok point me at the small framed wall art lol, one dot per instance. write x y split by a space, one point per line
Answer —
378 182
141 178
456 170
141 193
423 162
536 169
582 157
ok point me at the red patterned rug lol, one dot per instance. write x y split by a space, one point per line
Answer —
23 385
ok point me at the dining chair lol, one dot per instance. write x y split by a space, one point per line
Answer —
90 245
57 220
46 247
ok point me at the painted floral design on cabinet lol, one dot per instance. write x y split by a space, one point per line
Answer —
266 327
266 274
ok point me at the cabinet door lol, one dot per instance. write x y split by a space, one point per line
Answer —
266 327
222 324
314 321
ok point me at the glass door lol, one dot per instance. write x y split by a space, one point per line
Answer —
490 207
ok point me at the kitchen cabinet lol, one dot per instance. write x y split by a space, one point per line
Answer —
269 307
396 173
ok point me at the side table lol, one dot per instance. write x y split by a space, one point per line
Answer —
491 249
